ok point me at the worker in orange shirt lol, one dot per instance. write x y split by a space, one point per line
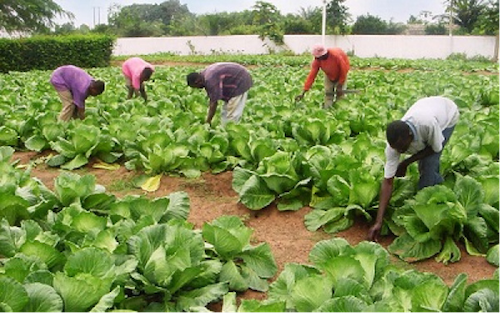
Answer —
335 64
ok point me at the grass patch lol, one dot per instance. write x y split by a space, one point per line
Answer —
121 185
198 184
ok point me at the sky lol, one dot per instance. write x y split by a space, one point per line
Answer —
92 12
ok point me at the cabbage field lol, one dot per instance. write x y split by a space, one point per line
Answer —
75 246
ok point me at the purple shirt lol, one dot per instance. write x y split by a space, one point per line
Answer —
226 80
74 79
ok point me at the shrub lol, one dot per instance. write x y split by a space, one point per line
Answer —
45 53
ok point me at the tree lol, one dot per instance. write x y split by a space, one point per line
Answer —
433 25
84 29
374 25
103 29
394 28
337 16
242 24
127 22
184 25
465 13
489 23
64 29
172 9
414 20
267 16
163 12
435 29
296 25
369 25
216 24
424 17
29 15
147 19
314 15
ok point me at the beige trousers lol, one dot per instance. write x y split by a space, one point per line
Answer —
330 92
233 109
68 108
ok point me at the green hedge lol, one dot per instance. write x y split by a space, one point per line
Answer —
46 53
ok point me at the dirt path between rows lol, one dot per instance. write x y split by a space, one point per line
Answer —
212 196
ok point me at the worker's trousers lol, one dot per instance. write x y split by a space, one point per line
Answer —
429 166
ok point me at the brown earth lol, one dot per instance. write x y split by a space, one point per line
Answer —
212 196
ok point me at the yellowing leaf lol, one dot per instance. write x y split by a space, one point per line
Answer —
152 183
106 166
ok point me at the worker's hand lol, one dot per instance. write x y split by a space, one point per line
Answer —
299 97
401 171
80 113
374 232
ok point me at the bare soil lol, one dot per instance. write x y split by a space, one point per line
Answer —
212 196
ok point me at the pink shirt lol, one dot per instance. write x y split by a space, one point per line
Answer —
133 67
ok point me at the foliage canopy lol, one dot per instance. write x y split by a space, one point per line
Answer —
29 15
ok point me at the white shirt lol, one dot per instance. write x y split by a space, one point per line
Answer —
427 119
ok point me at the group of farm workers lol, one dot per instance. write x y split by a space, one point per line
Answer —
422 132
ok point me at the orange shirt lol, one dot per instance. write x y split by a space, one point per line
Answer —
335 67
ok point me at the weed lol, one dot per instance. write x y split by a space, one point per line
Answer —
120 185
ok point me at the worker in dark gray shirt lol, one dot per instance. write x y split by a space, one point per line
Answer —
224 81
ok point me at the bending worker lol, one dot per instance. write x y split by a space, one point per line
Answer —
422 132
74 86
224 81
136 72
335 64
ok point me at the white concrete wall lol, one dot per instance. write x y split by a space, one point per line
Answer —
388 46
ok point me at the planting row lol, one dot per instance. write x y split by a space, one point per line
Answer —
78 248
294 153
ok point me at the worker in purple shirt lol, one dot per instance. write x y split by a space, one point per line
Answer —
224 81
74 85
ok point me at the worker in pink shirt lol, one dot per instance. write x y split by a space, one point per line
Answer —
73 86
136 72
335 64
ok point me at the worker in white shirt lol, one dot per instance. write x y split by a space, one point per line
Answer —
422 132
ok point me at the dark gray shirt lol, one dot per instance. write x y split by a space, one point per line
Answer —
226 80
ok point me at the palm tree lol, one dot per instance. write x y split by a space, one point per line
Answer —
465 13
